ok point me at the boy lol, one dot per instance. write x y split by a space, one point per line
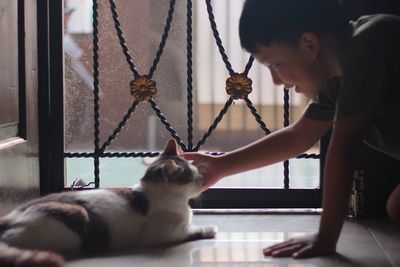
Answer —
350 71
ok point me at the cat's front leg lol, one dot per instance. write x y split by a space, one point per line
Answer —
197 232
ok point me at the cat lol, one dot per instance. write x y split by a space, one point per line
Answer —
154 212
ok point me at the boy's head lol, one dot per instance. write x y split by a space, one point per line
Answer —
266 22
291 37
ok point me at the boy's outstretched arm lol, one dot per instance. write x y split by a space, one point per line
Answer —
340 162
278 146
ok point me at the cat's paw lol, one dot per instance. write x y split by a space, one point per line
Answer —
209 232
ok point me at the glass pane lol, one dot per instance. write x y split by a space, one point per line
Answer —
9 114
142 23
239 127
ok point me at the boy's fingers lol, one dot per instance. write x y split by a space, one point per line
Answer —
304 252
286 251
189 155
267 251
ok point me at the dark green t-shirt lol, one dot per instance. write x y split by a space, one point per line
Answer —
370 83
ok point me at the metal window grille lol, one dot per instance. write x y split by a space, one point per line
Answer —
100 149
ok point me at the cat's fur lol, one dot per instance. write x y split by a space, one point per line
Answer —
154 212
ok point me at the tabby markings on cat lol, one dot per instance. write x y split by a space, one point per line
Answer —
154 212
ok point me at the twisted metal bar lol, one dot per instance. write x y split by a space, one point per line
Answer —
121 38
130 154
112 154
154 154
215 124
286 174
249 65
120 126
286 123
257 116
309 156
163 39
167 125
189 66
96 108
78 155
218 38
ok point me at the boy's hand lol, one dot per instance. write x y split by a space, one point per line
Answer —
301 247
208 165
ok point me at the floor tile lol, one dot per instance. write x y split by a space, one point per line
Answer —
141 257
387 235
241 239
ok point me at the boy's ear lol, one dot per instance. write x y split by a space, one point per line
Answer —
170 148
310 42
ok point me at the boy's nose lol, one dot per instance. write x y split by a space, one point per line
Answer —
275 78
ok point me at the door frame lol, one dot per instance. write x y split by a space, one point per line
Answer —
51 102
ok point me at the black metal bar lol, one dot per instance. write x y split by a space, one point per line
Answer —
257 116
96 107
218 38
56 30
189 66
120 34
121 125
43 96
167 125
112 154
164 38
215 124
21 70
50 95
249 65
285 124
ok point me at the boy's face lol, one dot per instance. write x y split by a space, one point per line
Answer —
294 66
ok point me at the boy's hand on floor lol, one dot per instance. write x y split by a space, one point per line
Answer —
209 166
301 247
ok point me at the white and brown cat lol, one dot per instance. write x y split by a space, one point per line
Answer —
154 212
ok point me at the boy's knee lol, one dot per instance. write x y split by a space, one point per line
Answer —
393 205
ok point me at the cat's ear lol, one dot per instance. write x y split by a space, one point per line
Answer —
170 148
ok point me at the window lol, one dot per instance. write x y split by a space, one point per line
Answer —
9 113
143 27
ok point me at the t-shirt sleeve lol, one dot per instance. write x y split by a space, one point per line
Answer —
323 107
363 77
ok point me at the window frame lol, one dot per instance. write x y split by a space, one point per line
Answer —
51 121
17 129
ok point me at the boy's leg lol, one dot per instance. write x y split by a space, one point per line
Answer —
393 205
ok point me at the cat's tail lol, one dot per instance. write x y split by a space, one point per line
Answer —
15 257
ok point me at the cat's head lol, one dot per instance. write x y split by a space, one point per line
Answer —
174 173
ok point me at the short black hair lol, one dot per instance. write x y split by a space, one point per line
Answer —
283 21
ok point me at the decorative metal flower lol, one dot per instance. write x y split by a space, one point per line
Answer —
238 86
143 88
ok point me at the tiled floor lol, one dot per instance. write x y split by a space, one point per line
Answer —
241 238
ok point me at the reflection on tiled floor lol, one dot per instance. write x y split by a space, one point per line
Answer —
241 239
